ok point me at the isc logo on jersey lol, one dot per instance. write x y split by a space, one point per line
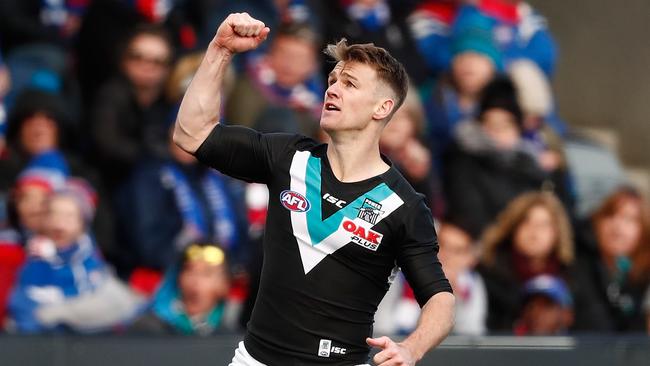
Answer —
325 348
294 201
366 238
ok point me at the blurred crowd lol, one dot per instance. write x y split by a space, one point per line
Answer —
107 226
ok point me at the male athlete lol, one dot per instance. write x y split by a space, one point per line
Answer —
340 216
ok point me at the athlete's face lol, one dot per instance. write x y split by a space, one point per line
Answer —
354 98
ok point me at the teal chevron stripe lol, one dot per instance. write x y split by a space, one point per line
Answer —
320 229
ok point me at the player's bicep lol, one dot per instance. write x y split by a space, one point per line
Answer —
418 255
242 153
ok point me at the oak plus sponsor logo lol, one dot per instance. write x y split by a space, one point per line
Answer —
362 236
294 201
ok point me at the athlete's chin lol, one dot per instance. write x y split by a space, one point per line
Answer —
328 123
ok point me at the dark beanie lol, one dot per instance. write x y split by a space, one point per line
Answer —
501 93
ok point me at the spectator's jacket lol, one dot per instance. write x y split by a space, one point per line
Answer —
124 132
51 279
607 302
519 31
165 205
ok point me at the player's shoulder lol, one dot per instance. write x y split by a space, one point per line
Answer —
412 200
292 141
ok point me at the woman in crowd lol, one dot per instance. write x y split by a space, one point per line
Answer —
614 271
531 237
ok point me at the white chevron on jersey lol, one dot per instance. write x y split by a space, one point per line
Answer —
312 253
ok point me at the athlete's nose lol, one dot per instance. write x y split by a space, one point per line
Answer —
332 91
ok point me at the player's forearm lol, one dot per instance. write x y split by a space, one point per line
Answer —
435 323
200 108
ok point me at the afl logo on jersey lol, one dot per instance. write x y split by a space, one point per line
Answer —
294 201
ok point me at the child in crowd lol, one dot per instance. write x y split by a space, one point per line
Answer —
65 284
547 309
192 299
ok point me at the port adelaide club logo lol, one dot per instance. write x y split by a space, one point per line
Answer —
294 201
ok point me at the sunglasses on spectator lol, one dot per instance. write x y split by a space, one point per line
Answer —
141 57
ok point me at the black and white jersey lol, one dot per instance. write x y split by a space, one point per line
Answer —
330 247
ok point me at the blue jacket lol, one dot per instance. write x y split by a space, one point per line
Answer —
68 273
152 220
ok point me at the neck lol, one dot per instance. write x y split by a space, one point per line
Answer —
354 158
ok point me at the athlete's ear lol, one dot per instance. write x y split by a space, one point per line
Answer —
384 109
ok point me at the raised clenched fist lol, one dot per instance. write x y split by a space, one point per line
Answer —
240 32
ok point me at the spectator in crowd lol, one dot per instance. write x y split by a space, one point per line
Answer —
65 284
455 96
547 307
129 113
459 256
431 24
614 271
489 163
402 142
531 237
167 203
275 81
382 22
193 298
26 211
520 32
37 125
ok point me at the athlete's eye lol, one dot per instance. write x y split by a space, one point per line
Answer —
350 84
331 81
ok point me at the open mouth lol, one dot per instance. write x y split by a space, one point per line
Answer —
331 107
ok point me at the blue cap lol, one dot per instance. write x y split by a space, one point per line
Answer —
550 286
